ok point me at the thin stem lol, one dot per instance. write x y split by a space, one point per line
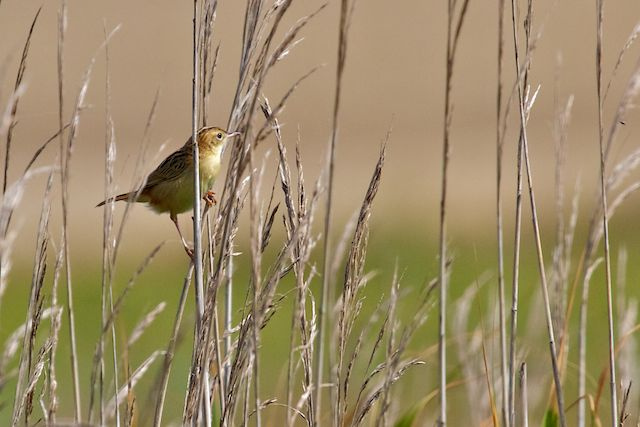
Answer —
605 217
171 347
107 271
442 278
228 312
499 149
256 260
582 344
322 316
515 285
64 176
523 395
453 36
197 226
215 321
534 216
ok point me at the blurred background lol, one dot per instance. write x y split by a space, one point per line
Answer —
394 79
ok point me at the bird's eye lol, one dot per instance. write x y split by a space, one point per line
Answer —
219 135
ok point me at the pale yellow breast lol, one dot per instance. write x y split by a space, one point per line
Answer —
209 168
176 196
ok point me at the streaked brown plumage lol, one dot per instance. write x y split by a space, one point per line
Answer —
169 188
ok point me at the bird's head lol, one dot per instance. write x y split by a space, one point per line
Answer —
214 139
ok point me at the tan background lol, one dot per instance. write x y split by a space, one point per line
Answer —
394 76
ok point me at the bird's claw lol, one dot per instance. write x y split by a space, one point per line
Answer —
210 198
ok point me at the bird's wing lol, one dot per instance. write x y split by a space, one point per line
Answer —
171 168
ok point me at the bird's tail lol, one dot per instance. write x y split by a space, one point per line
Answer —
119 197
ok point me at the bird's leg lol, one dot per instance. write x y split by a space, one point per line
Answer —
210 198
187 249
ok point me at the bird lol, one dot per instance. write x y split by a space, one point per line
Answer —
169 188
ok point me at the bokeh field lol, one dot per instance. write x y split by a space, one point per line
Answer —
391 246
386 86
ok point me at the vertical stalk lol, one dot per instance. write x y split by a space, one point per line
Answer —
499 149
322 317
524 395
171 347
453 36
107 270
605 216
521 83
64 177
228 319
515 286
197 226
442 273
215 322
256 244
582 344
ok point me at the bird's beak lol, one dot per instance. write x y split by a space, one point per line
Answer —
230 135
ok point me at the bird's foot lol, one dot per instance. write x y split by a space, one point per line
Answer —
210 198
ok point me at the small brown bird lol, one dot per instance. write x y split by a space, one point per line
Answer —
169 188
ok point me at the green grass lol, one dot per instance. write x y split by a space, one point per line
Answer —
412 251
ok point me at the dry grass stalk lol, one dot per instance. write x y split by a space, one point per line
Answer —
108 325
469 346
499 220
345 20
525 104
385 401
562 249
521 81
207 61
145 322
624 415
170 351
295 212
627 309
524 392
56 323
66 149
490 387
394 366
39 151
257 246
112 237
455 21
617 174
64 152
582 342
565 229
240 371
24 401
217 341
255 64
605 213
14 105
239 381
205 400
132 381
595 229
10 202
106 290
308 327
354 281
34 314
13 344
630 40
